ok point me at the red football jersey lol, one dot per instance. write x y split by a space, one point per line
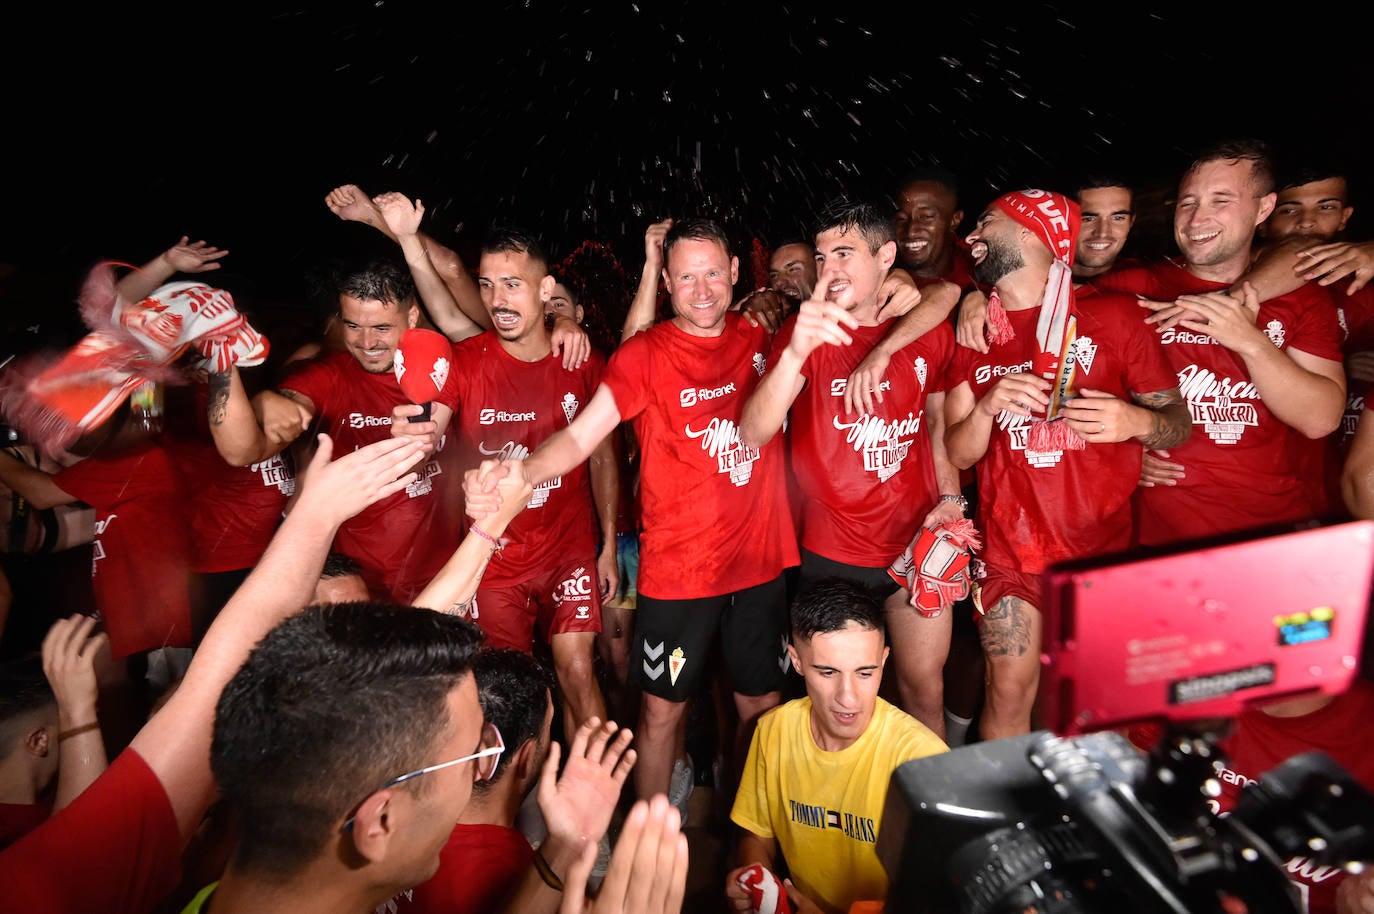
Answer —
1038 508
1239 464
402 541
715 513
504 408
142 549
867 482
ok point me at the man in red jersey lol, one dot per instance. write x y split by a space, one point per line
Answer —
717 530
403 541
509 391
868 481
1254 375
1053 416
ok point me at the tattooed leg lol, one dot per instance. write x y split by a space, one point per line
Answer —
1011 636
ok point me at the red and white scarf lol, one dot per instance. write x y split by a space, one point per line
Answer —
1055 220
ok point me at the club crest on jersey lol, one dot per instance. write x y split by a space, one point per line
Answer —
1274 330
676 661
570 405
1085 350
922 370
760 363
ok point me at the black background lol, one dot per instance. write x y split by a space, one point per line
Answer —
128 126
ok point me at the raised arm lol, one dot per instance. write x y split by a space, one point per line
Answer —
818 322
349 203
644 307
403 219
185 256
69 652
176 740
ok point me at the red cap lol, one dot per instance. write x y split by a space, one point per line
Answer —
1053 217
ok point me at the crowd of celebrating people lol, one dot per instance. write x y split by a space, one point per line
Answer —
354 647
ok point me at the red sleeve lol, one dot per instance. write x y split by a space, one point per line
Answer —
627 375
115 849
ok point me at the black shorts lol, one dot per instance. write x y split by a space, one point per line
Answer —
673 640
876 580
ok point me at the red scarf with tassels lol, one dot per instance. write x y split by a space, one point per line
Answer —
1055 220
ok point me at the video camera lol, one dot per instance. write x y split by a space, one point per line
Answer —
1075 818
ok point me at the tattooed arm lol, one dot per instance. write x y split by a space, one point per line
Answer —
1158 419
248 431
1169 422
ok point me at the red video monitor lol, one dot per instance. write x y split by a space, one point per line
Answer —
1201 634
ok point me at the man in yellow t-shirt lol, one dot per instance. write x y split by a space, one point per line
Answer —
814 785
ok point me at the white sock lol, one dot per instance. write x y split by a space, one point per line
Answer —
956 728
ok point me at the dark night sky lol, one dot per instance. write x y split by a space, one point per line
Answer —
587 121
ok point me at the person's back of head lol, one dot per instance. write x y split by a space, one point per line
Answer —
832 605
332 704
28 718
875 224
341 580
515 690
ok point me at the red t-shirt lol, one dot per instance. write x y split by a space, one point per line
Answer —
233 510
1260 742
115 848
403 540
18 819
142 554
715 513
1039 508
1239 461
505 408
867 481
478 868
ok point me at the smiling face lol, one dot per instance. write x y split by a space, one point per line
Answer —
514 288
562 302
1107 217
700 275
792 270
843 670
1216 216
1315 210
994 246
372 330
927 218
850 272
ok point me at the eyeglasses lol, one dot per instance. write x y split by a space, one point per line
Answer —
487 757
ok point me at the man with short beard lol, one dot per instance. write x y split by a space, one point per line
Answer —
1254 375
1053 416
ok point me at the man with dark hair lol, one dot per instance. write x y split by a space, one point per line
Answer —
928 217
509 392
1254 375
814 786
487 863
354 396
1052 420
1107 205
381 699
717 529
341 580
868 482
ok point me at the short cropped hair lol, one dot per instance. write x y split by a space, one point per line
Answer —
24 692
514 688
1099 180
934 174
873 223
509 239
331 704
379 280
338 565
1255 151
695 228
830 604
